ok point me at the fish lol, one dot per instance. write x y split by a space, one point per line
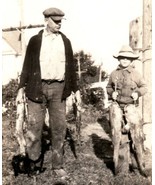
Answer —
116 121
21 118
73 104
134 120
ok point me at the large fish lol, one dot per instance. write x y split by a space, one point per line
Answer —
21 117
133 118
116 121
73 104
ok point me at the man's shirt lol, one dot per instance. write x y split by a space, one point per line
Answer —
52 56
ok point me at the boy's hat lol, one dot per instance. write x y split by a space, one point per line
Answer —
55 14
126 51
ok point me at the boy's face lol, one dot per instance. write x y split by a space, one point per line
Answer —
125 61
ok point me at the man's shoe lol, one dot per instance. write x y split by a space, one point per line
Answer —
36 168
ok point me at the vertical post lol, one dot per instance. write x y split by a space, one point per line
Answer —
22 36
147 59
135 40
100 72
23 45
79 67
22 30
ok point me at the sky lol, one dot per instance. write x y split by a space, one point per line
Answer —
99 27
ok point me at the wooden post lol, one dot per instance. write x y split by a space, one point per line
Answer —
135 41
79 67
140 38
147 59
100 72
136 34
23 45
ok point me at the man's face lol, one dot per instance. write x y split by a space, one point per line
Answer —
53 26
125 61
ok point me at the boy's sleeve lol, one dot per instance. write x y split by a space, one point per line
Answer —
141 85
109 87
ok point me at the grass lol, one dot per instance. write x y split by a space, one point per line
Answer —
93 165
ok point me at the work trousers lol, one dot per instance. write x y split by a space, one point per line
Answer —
52 94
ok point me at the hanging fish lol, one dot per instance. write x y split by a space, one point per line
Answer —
21 119
116 117
134 120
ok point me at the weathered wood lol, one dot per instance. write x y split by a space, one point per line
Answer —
136 41
22 27
147 58
140 38
135 34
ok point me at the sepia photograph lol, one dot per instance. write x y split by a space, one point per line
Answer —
76 92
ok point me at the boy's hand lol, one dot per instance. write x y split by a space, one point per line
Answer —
134 95
114 95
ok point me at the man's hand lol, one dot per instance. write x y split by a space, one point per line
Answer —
78 97
114 95
20 96
134 95
77 100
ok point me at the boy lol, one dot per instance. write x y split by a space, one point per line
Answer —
125 86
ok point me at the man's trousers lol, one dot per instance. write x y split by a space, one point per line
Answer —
52 94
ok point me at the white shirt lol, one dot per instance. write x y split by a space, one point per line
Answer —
52 56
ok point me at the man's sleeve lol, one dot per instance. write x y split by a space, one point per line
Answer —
26 67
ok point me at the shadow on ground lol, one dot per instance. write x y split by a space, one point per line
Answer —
103 149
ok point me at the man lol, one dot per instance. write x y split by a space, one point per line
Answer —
125 86
48 77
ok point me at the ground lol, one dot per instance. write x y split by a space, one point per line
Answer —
89 163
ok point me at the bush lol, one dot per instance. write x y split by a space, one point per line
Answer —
91 114
95 97
9 93
91 97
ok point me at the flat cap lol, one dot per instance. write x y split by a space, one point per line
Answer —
55 13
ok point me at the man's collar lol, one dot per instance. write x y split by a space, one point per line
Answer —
47 33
